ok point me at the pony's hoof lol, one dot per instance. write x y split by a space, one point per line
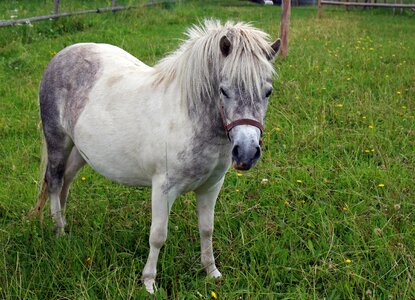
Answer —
214 274
59 231
150 285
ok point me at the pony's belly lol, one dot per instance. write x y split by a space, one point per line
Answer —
116 161
125 173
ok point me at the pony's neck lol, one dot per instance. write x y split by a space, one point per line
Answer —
207 116
198 88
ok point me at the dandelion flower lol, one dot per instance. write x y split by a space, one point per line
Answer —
214 295
345 208
348 261
299 181
88 261
381 185
367 151
237 191
398 93
83 178
277 129
239 174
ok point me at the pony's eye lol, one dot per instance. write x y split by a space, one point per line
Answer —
222 91
268 94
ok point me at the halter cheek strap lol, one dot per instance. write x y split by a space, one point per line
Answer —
238 122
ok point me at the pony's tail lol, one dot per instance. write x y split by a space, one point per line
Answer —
43 186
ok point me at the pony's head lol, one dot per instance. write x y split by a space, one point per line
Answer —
245 85
225 73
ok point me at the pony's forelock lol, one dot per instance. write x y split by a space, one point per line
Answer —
199 65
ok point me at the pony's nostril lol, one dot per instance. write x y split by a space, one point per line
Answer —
258 152
235 151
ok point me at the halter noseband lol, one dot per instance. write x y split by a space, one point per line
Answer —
235 123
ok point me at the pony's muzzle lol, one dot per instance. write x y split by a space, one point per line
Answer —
246 149
244 159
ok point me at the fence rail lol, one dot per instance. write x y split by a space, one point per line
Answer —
368 4
56 14
365 4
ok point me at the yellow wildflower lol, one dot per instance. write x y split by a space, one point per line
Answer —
299 181
367 151
278 129
348 261
398 93
345 208
214 295
88 261
381 185
239 174
339 105
286 202
83 178
371 126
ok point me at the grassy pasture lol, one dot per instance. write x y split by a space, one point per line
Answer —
335 218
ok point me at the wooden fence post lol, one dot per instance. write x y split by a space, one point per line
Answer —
113 4
319 9
284 26
56 4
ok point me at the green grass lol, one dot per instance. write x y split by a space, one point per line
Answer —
321 227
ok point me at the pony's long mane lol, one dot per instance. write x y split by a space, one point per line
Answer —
198 64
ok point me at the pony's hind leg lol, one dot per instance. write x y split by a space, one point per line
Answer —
74 163
58 147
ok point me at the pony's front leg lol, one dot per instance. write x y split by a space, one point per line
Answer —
206 201
161 203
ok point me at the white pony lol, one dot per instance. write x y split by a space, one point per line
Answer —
176 127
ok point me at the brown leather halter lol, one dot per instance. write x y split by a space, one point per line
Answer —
235 123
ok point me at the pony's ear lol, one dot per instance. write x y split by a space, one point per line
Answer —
225 45
275 49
